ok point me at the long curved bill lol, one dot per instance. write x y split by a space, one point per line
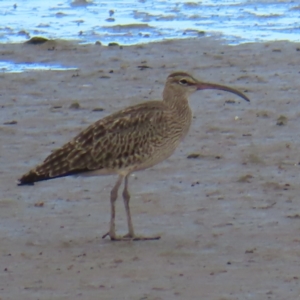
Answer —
214 86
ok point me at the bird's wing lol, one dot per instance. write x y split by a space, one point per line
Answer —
110 143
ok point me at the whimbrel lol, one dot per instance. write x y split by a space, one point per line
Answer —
135 138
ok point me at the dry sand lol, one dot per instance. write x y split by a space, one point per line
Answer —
229 219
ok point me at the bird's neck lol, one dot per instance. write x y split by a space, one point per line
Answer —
179 106
175 100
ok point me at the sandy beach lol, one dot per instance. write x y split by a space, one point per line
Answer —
229 218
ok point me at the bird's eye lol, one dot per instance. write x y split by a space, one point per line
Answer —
183 81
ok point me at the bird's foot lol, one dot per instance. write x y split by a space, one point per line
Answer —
134 237
130 237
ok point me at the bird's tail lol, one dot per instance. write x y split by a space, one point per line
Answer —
31 177
55 165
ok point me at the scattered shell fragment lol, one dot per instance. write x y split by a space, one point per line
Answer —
193 155
13 122
98 109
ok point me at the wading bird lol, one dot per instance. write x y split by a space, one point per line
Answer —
135 138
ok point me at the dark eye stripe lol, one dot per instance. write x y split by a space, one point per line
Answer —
185 82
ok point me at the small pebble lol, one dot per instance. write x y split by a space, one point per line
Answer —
36 40
113 44
74 105
281 121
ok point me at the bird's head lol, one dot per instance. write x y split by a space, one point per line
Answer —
183 84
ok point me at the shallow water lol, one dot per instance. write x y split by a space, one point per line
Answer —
132 22
7 66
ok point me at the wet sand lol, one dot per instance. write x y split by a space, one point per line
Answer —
229 219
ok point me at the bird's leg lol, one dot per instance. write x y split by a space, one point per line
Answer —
130 235
113 198
126 198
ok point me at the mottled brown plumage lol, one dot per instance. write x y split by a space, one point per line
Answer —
132 139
